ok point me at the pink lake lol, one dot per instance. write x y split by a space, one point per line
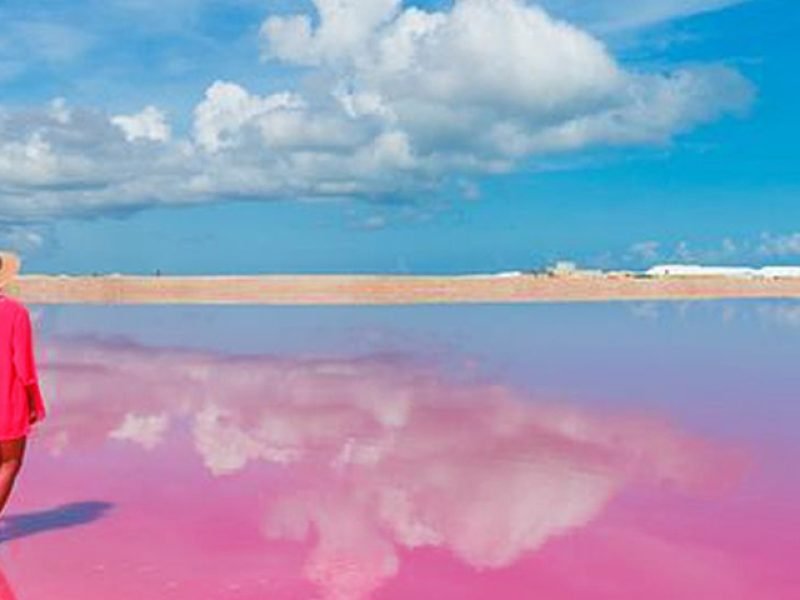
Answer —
471 452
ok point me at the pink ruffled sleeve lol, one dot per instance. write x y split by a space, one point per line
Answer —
25 360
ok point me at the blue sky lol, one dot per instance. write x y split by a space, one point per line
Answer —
250 136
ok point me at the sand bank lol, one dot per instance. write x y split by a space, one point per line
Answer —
383 289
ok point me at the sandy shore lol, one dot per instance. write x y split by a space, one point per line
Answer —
382 289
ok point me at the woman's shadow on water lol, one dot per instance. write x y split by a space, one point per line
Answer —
66 515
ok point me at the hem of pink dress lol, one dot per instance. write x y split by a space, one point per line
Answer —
7 437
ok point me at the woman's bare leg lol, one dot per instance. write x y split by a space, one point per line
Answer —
11 453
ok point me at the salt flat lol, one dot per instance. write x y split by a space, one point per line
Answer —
386 289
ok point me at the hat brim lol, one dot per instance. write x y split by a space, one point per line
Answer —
9 267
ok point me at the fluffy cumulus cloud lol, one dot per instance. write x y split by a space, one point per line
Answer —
396 100
489 83
149 124
64 160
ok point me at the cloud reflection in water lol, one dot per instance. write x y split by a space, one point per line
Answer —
379 454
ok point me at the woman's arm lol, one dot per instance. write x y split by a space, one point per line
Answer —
33 394
25 364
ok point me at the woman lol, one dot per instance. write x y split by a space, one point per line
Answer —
21 402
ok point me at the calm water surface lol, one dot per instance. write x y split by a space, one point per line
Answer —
471 452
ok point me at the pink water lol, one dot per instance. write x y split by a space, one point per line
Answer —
393 454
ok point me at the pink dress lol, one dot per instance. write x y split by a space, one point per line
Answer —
17 370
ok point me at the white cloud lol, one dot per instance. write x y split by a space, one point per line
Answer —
398 101
228 108
149 124
780 245
67 161
29 160
145 430
59 111
687 252
21 238
783 314
374 222
645 310
646 251
346 29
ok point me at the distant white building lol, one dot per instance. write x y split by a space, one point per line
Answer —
508 274
500 274
564 268
678 270
779 272
700 271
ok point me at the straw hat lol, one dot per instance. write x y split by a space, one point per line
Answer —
9 267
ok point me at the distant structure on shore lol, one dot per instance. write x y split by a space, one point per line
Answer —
711 271
571 270
565 268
